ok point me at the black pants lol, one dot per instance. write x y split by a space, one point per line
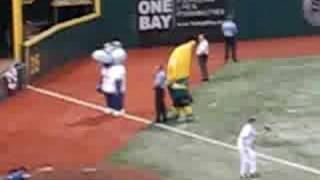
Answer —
203 60
160 106
230 44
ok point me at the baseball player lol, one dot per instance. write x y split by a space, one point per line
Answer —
178 73
230 30
246 146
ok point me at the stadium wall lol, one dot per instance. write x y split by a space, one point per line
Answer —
80 40
256 19
271 18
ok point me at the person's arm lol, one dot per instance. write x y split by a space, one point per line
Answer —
118 85
222 27
104 73
99 85
235 29
120 80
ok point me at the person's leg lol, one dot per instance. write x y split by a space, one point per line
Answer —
163 111
234 49
252 162
226 49
243 163
157 104
121 102
189 113
203 67
174 109
187 108
106 97
116 103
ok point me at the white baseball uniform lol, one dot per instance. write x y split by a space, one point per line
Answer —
246 146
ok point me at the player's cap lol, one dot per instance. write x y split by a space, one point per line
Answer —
252 120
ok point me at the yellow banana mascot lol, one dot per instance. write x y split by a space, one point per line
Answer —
178 73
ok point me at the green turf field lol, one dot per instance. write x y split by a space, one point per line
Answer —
282 93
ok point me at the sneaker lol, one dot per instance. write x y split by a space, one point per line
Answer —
116 113
255 175
205 80
181 118
244 177
122 111
189 118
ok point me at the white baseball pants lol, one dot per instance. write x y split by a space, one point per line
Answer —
248 161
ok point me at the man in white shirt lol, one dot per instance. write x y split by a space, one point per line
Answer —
230 30
202 53
246 146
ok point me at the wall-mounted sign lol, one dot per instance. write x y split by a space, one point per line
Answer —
154 15
169 21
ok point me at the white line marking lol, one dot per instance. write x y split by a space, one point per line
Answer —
172 129
292 110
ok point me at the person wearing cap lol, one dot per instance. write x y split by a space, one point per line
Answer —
202 53
159 94
246 146
230 31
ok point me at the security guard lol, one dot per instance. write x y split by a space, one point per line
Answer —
230 30
159 93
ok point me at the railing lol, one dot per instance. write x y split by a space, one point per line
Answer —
64 25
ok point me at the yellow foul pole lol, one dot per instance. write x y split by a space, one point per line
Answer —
17 25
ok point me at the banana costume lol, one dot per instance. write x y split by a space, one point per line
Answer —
178 73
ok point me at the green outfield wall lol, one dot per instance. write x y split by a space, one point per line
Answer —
256 19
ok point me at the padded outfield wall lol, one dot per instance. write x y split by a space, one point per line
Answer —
256 19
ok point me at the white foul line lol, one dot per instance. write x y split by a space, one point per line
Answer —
172 129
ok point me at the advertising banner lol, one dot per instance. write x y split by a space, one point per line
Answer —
171 21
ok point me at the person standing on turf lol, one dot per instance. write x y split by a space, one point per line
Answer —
230 31
202 53
246 146
159 93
